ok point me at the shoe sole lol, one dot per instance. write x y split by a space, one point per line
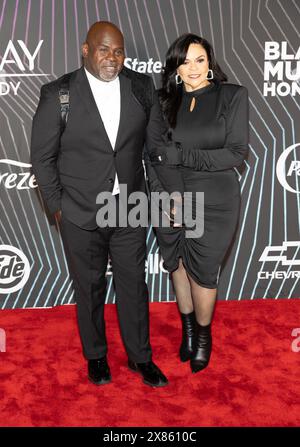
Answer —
102 382
198 369
146 382
185 360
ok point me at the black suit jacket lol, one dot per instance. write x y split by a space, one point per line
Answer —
72 168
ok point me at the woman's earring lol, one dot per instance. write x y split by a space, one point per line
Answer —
178 79
211 75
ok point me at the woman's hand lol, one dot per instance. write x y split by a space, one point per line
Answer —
175 212
169 155
58 216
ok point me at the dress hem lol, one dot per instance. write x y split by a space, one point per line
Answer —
171 270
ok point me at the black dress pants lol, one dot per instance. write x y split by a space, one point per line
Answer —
87 256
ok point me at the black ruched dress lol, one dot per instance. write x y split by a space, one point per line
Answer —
213 140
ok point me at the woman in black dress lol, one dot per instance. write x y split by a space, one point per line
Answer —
208 130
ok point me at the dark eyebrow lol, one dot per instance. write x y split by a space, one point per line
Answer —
202 55
106 46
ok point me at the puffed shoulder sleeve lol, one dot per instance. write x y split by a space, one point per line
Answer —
235 148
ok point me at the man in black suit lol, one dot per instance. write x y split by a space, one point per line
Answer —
100 148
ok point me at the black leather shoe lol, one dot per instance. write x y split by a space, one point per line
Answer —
203 346
151 374
188 336
99 372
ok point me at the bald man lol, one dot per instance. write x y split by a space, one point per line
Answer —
108 120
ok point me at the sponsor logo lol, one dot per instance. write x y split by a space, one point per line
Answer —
14 269
280 76
149 66
278 253
286 170
20 180
153 265
8 87
18 61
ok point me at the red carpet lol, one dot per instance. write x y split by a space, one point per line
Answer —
253 378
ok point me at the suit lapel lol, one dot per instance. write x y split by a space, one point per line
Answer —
86 95
125 92
87 98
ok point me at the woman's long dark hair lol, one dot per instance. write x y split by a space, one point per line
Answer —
171 93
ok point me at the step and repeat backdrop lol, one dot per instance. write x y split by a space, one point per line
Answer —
256 43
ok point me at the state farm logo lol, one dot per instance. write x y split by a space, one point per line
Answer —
288 171
150 66
14 269
287 254
17 61
18 180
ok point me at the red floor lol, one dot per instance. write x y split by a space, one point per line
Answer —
253 378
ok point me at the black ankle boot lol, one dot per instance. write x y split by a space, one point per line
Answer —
203 345
188 336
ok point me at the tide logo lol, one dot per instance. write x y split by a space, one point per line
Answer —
14 269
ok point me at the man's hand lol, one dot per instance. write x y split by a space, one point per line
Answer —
58 216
